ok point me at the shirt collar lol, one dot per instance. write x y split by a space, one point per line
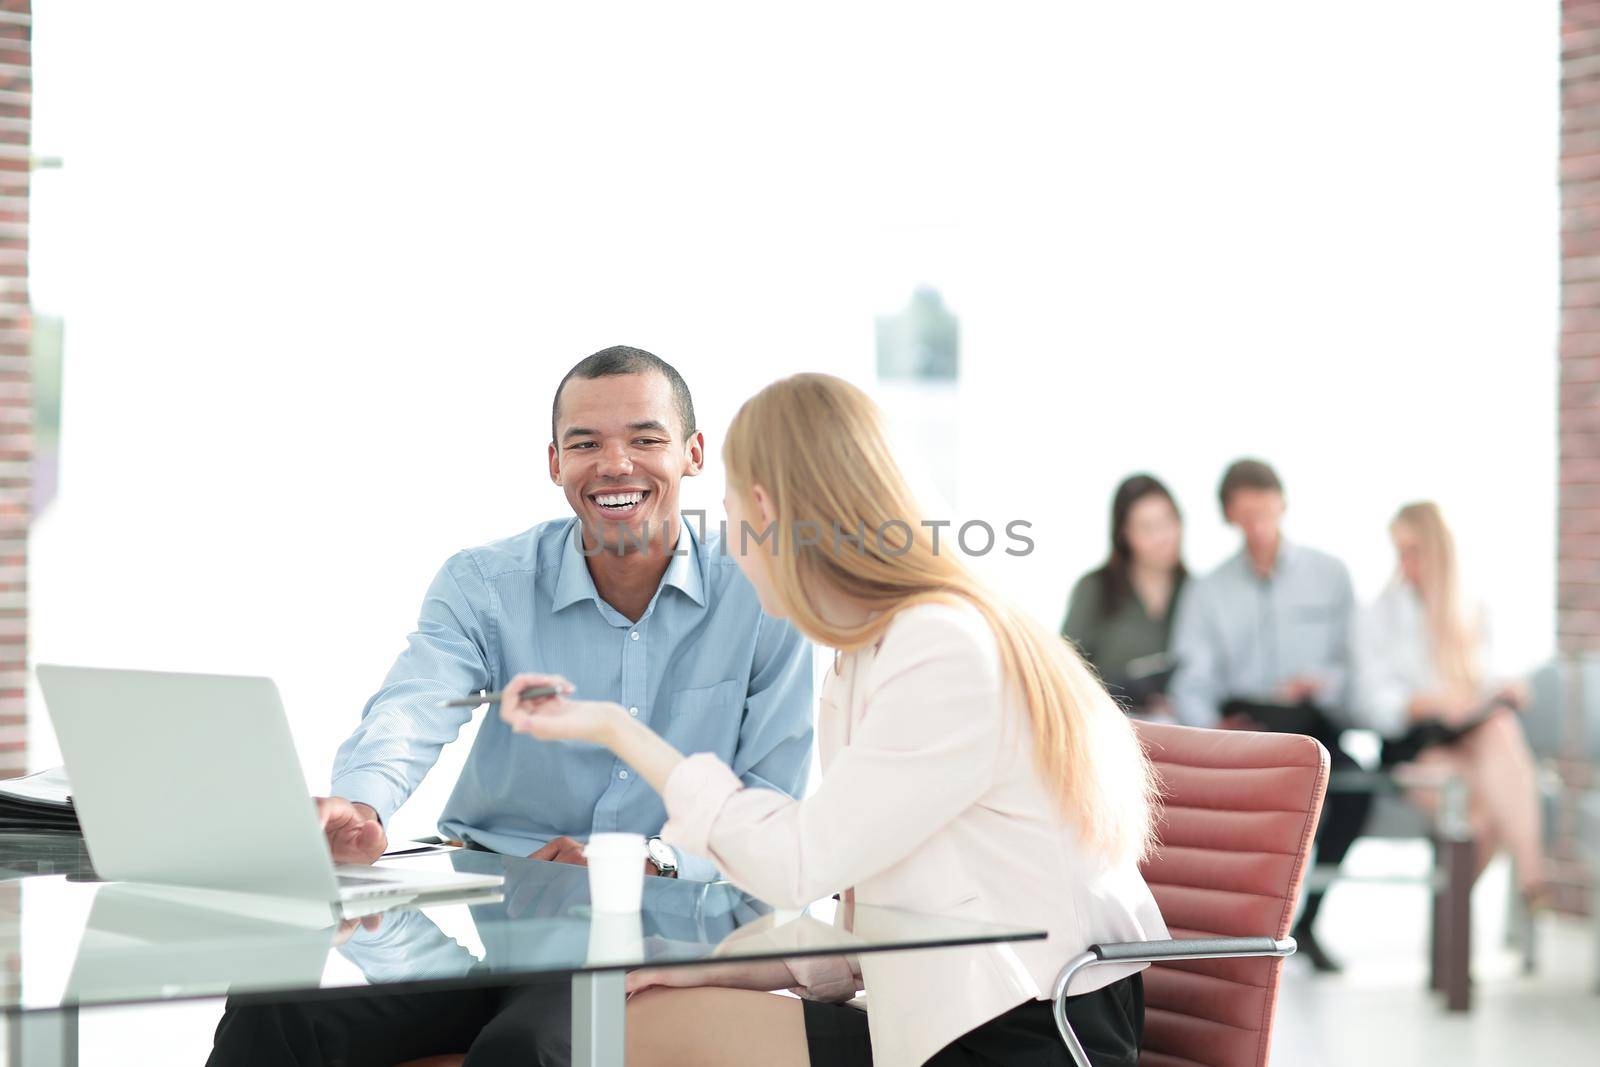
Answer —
1284 561
575 583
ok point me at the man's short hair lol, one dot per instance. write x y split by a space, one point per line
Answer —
621 359
1247 474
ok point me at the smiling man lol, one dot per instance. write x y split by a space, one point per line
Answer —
626 601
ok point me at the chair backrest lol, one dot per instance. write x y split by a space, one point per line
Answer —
1239 812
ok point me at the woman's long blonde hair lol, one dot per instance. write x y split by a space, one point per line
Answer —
816 445
1455 651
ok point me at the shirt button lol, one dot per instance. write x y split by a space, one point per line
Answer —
634 635
622 774
633 711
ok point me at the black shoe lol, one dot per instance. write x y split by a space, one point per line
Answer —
1321 962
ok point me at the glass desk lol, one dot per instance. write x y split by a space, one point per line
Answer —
72 942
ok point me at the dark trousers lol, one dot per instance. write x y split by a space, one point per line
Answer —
1344 812
1109 1023
525 1026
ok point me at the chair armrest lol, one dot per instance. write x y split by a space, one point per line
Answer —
1190 948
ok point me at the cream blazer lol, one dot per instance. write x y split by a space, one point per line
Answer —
929 801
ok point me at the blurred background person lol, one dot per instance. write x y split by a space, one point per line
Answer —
1120 614
1263 643
1421 669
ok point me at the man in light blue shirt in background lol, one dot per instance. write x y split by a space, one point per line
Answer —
632 604
671 631
1263 642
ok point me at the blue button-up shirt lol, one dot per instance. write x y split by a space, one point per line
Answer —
1240 635
702 666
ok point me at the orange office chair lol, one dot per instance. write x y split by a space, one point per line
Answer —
1240 812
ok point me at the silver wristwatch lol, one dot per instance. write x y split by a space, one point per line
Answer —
662 855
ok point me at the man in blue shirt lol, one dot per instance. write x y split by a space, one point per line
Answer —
671 631
629 602
1267 634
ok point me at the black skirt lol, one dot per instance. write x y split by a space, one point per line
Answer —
1109 1022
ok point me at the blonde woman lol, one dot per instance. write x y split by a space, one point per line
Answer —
972 767
1421 681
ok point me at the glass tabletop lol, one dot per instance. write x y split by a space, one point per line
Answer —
73 941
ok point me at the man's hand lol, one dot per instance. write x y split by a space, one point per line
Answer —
1300 688
355 834
561 850
349 927
566 850
1443 705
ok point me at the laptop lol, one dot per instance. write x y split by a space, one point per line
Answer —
192 780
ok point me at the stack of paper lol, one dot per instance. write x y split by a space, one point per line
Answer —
38 803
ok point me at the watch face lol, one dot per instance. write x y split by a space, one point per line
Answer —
661 853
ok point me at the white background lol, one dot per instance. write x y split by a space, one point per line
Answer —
322 265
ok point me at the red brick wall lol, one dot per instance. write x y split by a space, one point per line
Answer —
16 398
1578 545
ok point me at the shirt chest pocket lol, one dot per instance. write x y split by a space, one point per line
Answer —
1315 625
707 716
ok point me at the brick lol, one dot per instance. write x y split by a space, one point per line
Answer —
1579 41
1580 67
1575 96
1580 193
1573 320
1576 242
1579 521
1579 596
1578 622
1575 445
1576 396
1578 571
1573 294
1574 369
1581 268
1579 13
1580 472
1569 546
1572 421
1573 168
1571 496
1579 346
1579 119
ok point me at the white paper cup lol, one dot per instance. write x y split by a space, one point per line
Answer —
616 871
615 937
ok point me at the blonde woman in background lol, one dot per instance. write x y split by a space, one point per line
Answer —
1421 658
972 767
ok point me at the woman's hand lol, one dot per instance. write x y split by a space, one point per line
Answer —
764 976
1517 693
557 718
560 718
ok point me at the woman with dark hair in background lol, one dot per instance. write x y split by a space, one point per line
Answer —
1120 614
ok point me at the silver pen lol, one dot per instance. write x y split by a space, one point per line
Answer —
483 696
